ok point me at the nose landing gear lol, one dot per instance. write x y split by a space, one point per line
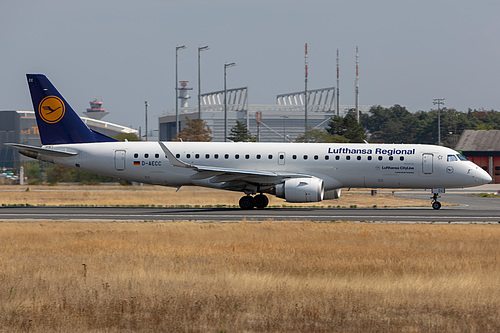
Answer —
260 201
435 195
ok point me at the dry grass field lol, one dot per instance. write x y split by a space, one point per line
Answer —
249 277
164 196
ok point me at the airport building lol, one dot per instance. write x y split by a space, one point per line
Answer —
280 122
483 148
21 127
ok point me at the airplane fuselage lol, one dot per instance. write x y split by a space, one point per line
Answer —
338 165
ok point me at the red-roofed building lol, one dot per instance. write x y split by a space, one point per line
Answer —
483 148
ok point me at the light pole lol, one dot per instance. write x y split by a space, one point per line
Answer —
200 48
146 111
439 102
177 129
226 65
284 127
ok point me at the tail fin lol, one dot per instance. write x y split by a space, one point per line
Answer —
57 122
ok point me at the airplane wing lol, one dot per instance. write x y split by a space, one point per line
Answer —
32 150
220 174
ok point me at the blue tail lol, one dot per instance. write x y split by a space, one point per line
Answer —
57 122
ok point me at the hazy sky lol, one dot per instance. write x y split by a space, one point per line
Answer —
124 51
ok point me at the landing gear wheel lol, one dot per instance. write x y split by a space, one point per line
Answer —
247 202
436 205
261 201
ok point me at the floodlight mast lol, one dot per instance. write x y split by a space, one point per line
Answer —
226 65
200 49
177 129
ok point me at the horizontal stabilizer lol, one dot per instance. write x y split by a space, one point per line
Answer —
40 150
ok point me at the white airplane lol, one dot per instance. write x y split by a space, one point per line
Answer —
297 172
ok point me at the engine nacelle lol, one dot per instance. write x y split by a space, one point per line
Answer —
301 190
333 194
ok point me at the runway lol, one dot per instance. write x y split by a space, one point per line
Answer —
402 215
469 209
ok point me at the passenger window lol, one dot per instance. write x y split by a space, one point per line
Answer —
316 157
348 157
327 157
178 155
136 155
207 156
358 158
369 158
157 155
282 157
270 157
247 156
305 157
452 158
294 157
237 156
380 158
226 156
146 155
401 158
216 156
337 157
391 158
197 156
188 155
258 156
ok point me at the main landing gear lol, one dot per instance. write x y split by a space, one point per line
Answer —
260 201
435 204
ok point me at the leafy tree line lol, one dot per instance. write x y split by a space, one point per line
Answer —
397 125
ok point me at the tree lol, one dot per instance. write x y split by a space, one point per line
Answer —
347 127
195 130
391 125
240 133
126 136
317 135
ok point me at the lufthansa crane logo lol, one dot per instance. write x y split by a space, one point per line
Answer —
51 109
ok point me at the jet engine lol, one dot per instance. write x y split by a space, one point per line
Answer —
301 190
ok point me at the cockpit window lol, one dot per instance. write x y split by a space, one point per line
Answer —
462 157
452 158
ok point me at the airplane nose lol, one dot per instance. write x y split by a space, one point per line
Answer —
482 176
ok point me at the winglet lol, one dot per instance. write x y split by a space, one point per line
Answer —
172 159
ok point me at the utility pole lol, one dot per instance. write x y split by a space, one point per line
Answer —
439 102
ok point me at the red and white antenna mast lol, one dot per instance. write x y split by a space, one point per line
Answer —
305 92
338 85
356 92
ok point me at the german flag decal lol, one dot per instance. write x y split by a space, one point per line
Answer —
137 163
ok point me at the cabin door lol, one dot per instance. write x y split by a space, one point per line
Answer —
120 160
427 163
